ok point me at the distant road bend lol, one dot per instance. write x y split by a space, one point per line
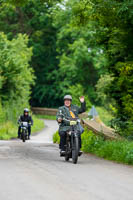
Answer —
34 171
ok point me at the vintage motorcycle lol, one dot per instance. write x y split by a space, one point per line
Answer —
72 147
24 131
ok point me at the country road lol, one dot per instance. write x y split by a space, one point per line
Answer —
34 171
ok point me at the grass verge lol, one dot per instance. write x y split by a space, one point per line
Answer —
56 137
9 130
38 124
119 151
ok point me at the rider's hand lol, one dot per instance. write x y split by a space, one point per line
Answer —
82 99
59 120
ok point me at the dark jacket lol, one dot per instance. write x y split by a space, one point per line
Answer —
25 118
64 111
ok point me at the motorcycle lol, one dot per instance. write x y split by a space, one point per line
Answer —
24 131
72 147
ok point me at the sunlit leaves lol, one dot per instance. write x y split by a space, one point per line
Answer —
16 74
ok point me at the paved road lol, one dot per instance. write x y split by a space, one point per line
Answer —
34 171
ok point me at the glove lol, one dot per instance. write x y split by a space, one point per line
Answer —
73 123
59 120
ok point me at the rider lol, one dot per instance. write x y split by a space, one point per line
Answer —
25 118
68 111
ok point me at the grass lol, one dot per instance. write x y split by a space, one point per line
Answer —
38 124
9 130
56 137
119 151
46 117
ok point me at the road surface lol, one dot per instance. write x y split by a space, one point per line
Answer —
34 171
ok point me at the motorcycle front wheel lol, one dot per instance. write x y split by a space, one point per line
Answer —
75 149
23 136
67 153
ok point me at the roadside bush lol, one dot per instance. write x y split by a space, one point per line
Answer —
56 137
120 151
16 76
8 130
38 124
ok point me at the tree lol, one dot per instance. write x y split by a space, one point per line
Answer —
112 26
34 19
16 76
79 59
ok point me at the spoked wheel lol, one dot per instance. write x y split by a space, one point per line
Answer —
67 153
75 150
23 136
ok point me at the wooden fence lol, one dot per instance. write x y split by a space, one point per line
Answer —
44 111
95 125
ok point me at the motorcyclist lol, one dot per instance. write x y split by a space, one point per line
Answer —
68 111
25 118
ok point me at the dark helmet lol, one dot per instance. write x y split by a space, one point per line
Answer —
26 110
68 97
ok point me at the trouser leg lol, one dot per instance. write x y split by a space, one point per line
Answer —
62 140
80 143
29 130
19 131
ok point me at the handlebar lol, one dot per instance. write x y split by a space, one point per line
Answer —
71 121
25 123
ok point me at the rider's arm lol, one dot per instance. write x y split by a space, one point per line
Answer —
59 116
61 119
31 120
19 119
82 108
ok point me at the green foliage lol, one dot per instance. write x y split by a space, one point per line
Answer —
16 74
106 115
34 19
70 56
124 87
76 91
102 89
56 137
120 151
111 25
8 130
23 2
2 114
38 124
74 43
78 58
123 127
90 142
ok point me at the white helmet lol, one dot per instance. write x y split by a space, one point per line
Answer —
68 97
26 110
